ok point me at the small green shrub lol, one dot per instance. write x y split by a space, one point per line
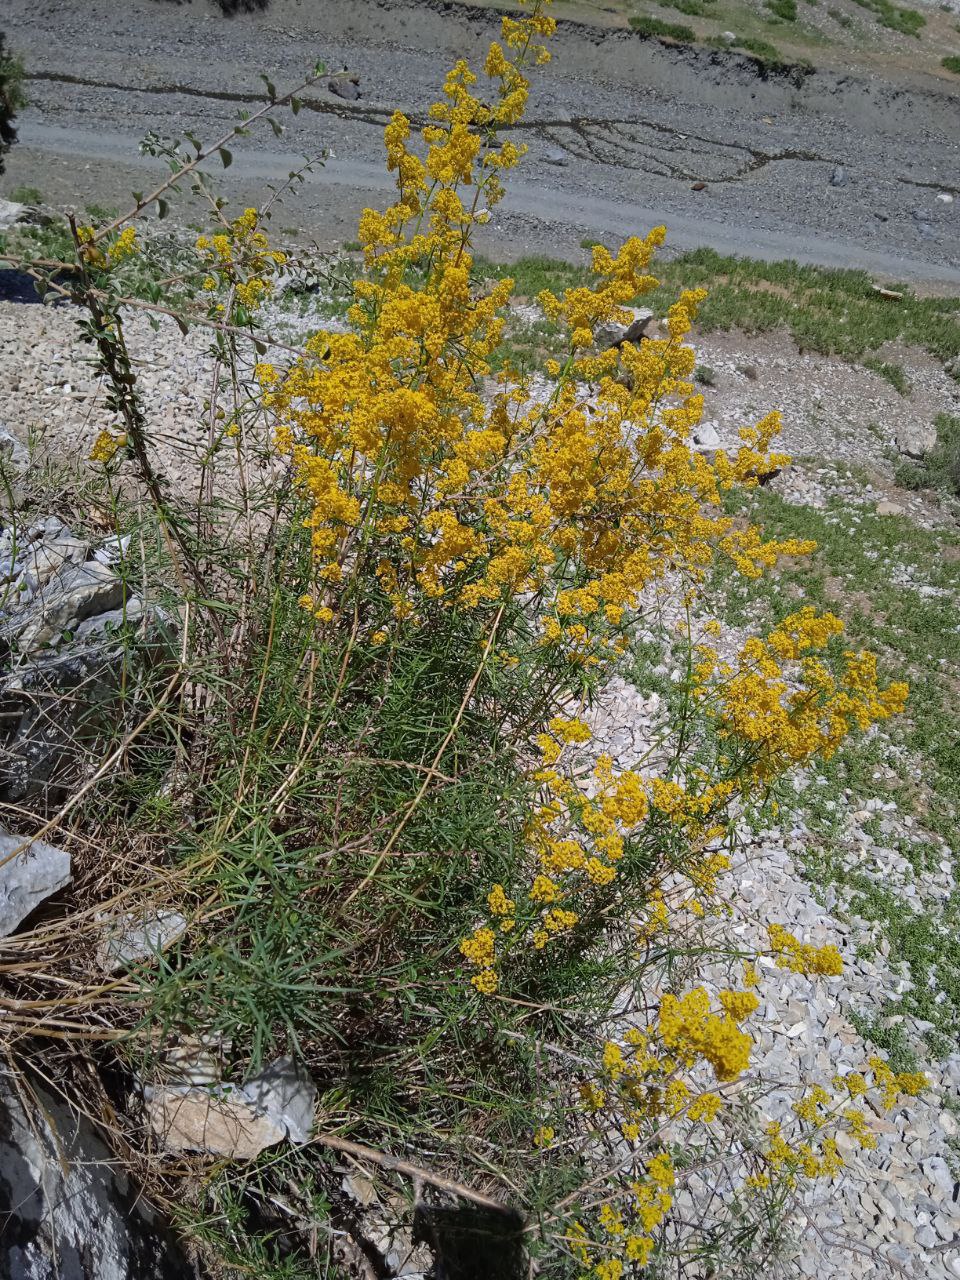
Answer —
647 26
893 373
785 9
943 464
940 469
27 195
910 475
952 63
762 49
11 97
100 212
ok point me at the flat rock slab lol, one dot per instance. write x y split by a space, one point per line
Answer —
237 1122
615 335
706 436
128 940
77 592
11 213
28 878
195 1120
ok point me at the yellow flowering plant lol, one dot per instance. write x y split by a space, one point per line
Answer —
408 575
573 502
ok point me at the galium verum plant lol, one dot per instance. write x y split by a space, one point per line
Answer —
458 556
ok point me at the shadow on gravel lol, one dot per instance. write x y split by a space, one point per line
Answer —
17 286
231 7
472 1243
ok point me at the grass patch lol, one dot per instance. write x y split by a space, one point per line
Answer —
831 311
952 63
889 1037
648 26
907 21
693 8
836 312
892 373
762 49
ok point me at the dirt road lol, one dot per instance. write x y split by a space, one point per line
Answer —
837 168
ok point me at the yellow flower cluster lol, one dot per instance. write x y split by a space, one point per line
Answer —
125 246
649 1075
579 502
785 703
107 445
240 257
647 1086
786 1160
801 957
89 251
768 719
689 1029
894 1083
479 951
627 1231
815 1154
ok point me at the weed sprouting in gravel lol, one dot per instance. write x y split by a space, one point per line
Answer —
892 373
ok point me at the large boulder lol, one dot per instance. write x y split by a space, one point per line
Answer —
916 439
67 1207
72 636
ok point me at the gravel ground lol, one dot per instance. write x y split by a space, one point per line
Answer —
619 128
52 396
833 412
